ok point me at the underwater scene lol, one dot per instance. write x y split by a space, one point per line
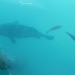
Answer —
37 37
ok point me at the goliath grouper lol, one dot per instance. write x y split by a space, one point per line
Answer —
16 30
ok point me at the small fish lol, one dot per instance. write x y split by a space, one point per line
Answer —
71 35
22 3
54 28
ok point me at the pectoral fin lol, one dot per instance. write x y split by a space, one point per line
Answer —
13 40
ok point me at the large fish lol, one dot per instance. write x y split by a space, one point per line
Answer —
16 30
71 35
54 28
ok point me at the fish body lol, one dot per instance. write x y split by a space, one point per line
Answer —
16 30
54 28
71 35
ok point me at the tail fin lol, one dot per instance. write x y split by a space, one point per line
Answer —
21 3
48 37
48 31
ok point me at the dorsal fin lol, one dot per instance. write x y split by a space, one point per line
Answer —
16 22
